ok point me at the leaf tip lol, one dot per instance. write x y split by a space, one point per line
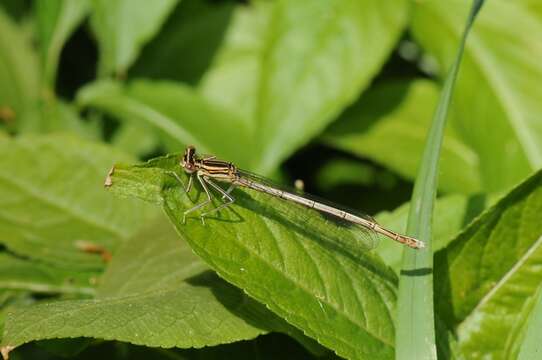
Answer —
5 350
109 180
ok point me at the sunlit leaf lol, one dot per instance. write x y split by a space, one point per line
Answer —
485 278
291 67
416 333
304 267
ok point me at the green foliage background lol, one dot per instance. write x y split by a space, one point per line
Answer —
339 93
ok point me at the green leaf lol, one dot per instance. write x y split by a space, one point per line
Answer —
389 125
178 113
176 40
19 274
54 115
155 293
122 27
291 67
10 299
136 139
495 85
487 276
52 201
57 19
19 72
454 213
415 319
531 347
313 273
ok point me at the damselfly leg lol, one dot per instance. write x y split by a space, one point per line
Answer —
176 176
204 181
225 196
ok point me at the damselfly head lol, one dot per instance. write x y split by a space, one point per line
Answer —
188 161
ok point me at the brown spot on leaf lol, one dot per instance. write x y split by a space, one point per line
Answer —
7 114
108 180
92 248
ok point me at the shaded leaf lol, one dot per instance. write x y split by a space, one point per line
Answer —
52 200
305 268
20 274
54 115
176 112
186 44
57 19
389 125
485 278
494 88
291 67
122 27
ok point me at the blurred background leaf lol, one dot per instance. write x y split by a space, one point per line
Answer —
19 72
402 110
52 199
56 20
500 66
280 66
122 27
184 48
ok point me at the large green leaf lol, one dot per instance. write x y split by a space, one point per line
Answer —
20 274
185 46
178 113
310 271
122 27
19 71
52 200
489 275
57 19
495 87
156 293
389 124
291 67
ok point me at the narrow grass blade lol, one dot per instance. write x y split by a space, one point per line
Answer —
415 333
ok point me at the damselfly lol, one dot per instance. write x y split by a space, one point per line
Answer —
207 169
